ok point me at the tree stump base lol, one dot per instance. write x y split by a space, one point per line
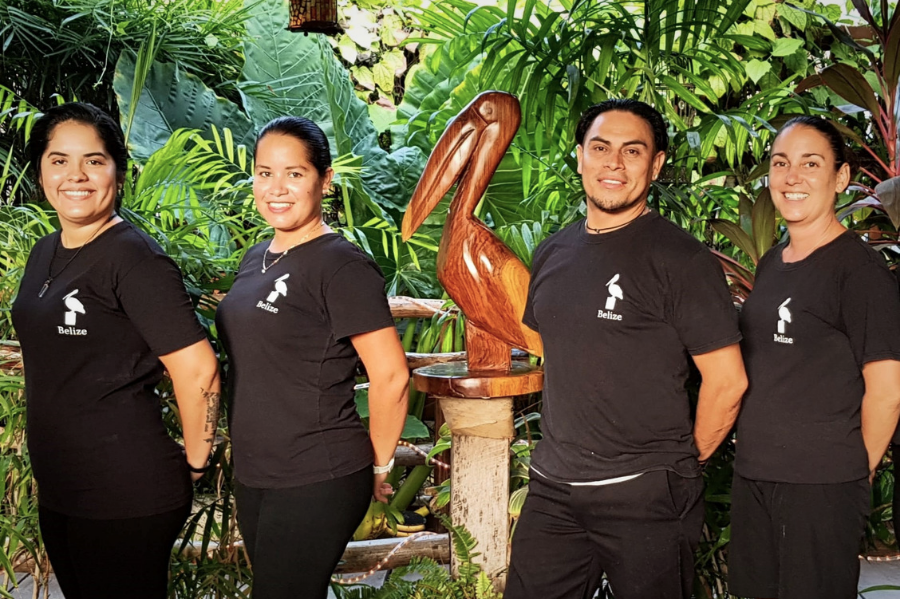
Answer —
478 408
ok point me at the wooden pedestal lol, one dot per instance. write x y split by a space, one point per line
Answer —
478 408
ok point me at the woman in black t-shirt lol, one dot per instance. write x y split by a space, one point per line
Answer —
100 313
303 307
822 348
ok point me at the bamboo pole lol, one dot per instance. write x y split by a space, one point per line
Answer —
410 307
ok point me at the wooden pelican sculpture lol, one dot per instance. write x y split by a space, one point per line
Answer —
483 276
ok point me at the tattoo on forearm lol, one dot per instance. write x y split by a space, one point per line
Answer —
212 414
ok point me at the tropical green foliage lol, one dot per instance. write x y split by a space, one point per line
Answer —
868 81
193 81
18 519
70 47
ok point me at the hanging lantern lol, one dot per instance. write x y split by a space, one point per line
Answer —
314 16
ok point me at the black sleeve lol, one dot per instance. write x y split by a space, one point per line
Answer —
870 311
528 318
703 312
355 300
153 296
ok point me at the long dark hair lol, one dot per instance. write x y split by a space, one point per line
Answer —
307 132
107 129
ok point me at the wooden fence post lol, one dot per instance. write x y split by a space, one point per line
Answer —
478 409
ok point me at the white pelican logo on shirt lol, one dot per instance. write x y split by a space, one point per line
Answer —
784 317
74 307
615 293
279 291
280 288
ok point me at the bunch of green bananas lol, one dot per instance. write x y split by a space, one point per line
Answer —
375 523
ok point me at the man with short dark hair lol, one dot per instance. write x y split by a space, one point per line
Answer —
621 300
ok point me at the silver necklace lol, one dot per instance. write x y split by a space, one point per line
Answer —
285 252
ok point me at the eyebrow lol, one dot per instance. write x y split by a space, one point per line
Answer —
806 155
634 142
287 168
91 154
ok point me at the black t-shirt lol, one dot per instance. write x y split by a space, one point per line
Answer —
809 327
291 363
619 313
91 344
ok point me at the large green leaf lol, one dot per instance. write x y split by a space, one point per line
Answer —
786 46
284 74
429 85
757 68
290 74
172 100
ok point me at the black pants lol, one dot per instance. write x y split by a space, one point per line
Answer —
641 533
295 537
111 559
796 541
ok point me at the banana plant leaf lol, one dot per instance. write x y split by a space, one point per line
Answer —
172 100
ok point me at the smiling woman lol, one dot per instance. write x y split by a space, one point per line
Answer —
807 170
95 344
293 171
822 348
302 308
80 179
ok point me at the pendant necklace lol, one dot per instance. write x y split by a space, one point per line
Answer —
593 230
50 275
285 252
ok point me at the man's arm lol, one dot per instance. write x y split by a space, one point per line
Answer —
723 386
880 408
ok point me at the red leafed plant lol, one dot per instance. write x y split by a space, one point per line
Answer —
753 234
879 43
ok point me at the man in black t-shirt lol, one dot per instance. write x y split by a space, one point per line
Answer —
621 300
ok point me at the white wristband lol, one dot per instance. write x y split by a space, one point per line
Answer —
383 469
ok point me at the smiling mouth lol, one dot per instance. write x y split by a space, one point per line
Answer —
78 194
280 205
612 182
795 196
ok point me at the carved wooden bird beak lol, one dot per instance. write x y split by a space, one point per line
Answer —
453 155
